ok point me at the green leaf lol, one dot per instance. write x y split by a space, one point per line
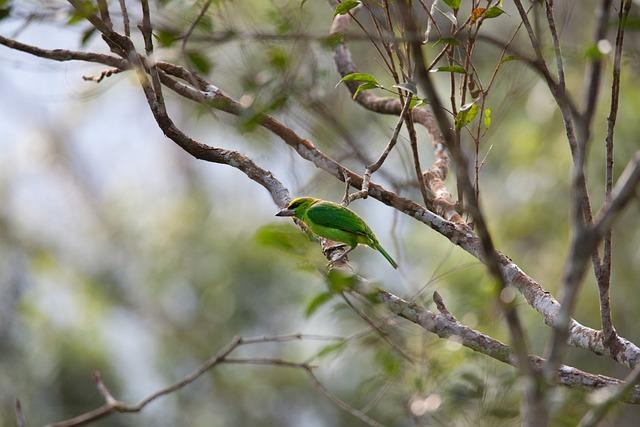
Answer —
344 7
278 58
593 53
389 363
86 35
408 86
199 62
416 102
85 8
466 114
447 40
331 41
339 281
359 77
453 4
487 118
5 12
363 87
509 58
166 37
317 302
335 347
283 236
492 12
449 69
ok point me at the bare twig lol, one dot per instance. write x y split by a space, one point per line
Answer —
614 394
339 402
626 353
372 168
604 280
125 17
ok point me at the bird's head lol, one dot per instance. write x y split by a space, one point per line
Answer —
297 207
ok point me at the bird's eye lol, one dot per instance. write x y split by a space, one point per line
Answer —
294 205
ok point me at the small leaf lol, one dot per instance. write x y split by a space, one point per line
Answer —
466 114
344 7
317 302
198 61
359 77
5 12
84 9
416 102
453 4
448 40
449 69
278 58
331 348
408 86
86 35
331 41
166 37
363 87
509 58
340 281
487 118
283 236
493 12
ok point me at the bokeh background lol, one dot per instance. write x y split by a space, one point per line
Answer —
120 253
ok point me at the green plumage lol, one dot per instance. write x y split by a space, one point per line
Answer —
334 222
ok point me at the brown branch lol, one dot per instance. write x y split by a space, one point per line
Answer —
125 18
434 178
604 280
112 405
372 168
626 353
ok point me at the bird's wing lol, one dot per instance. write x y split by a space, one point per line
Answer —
331 215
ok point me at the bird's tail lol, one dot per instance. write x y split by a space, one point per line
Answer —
384 253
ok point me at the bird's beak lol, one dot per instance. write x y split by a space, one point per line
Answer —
286 212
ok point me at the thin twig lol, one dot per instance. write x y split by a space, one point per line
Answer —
615 395
341 403
604 281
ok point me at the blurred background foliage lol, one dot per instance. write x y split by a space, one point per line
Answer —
120 253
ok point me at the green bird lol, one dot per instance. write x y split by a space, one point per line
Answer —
334 222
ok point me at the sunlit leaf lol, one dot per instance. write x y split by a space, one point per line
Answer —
317 302
359 77
466 114
416 102
493 12
487 118
344 7
363 87
453 4
449 69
